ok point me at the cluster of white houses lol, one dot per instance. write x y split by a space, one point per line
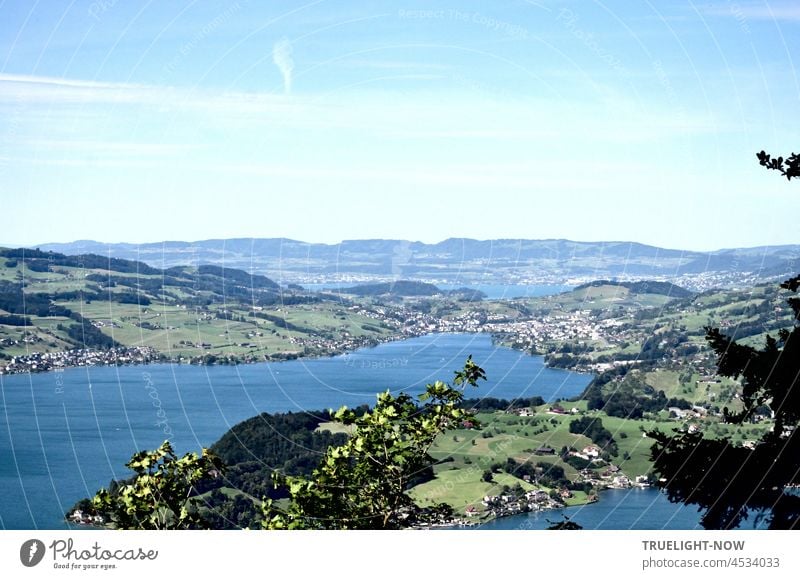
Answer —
44 361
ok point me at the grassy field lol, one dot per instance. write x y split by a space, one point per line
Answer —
603 297
463 487
179 330
189 314
470 452
633 443
42 336
336 427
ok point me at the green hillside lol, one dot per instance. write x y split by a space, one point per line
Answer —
51 302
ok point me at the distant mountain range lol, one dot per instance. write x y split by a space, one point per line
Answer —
457 261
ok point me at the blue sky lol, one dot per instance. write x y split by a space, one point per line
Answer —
323 121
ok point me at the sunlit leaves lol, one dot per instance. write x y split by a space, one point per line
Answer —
159 496
363 484
727 481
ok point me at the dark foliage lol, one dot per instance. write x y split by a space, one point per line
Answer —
564 525
14 320
287 443
277 438
84 335
238 277
282 323
221 283
484 404
225 513
789 167
547 474
13 301
731 483
43 260
593 429
629 398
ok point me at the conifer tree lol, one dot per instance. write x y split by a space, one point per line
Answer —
731 483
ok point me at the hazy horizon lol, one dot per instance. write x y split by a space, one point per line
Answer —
435 242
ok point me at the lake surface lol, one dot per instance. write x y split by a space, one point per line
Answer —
492 291
64 435
617 509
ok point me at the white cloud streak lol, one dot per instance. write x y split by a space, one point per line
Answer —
282 57
609 118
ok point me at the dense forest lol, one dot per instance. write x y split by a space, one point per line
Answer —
629 398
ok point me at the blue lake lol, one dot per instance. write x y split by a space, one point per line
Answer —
492 291
617 509
63 435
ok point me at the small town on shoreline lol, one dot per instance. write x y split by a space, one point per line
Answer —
510 324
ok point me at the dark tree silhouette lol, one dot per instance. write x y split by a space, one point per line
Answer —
730 483
789 167
564 525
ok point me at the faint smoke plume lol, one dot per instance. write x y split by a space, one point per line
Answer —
282 56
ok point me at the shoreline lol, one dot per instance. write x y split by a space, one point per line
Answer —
457 523
489 516
157 359
61 360
41 363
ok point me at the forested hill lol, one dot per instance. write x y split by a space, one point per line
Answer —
51 302
288 442
42 261
121 280
662 288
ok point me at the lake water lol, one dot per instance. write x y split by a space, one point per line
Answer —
492 291
64 435
617 509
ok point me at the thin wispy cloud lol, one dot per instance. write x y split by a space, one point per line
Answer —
282 57
32 89
59 81
74 123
